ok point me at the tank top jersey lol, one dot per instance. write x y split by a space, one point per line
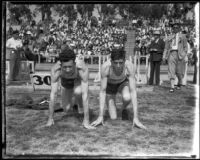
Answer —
68 79
114 79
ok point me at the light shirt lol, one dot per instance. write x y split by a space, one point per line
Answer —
175 42
13 43
189 48
157 40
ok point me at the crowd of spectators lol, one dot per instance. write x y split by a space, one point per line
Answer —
145 27
87 39
81 37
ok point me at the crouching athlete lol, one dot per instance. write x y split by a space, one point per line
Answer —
73 78
118 75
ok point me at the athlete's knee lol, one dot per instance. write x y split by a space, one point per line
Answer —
113 116
78 91
126 97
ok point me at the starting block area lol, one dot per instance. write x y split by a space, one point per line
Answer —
40 79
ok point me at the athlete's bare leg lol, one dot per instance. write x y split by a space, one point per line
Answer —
110 102
78 98
66 98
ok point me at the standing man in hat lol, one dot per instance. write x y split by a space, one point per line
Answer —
14 44
175 52
156 49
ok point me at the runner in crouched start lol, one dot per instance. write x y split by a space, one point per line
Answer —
118 75
73 77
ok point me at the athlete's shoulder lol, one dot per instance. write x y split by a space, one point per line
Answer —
106 64
128 63
80 63
56 66
105 68
129 67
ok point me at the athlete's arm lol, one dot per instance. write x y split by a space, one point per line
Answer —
104 74
132 85
84 74
55 74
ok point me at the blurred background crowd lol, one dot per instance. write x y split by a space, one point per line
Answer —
87 33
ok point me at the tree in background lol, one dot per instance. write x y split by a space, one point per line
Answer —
105 10
85 10
158 10
94 21
45 10
18 13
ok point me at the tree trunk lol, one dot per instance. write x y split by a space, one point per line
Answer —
43 16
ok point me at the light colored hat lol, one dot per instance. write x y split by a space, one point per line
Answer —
29 32
116 45
72 44
156 32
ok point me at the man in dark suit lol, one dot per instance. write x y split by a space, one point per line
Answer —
156 49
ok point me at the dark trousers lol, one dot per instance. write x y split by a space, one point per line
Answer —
14 66
195 74
155 68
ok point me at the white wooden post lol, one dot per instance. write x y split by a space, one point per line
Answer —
7 69
184 82
39 60
149 69
138 67
146 69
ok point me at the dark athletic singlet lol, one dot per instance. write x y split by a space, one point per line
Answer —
116 83
68 79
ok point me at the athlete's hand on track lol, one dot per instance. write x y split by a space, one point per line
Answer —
137 123
98 121
88 126
50 122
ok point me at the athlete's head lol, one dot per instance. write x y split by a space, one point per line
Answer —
118 60
67 59
118 54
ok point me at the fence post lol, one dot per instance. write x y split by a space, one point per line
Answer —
148 68
39 59
99 66
185 74
138 66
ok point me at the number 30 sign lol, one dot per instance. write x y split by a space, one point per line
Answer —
42 80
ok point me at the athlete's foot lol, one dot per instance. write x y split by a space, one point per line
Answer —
50 122
138 124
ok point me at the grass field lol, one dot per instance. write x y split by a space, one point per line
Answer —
169 118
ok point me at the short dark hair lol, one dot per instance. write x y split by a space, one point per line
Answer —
117 54
26 42
15 32
66 55
175 25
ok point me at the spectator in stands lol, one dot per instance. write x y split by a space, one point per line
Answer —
28 54
14 44
143 51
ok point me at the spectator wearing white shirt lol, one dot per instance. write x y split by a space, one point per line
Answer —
14 44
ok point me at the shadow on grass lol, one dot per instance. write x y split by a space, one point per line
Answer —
190 101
